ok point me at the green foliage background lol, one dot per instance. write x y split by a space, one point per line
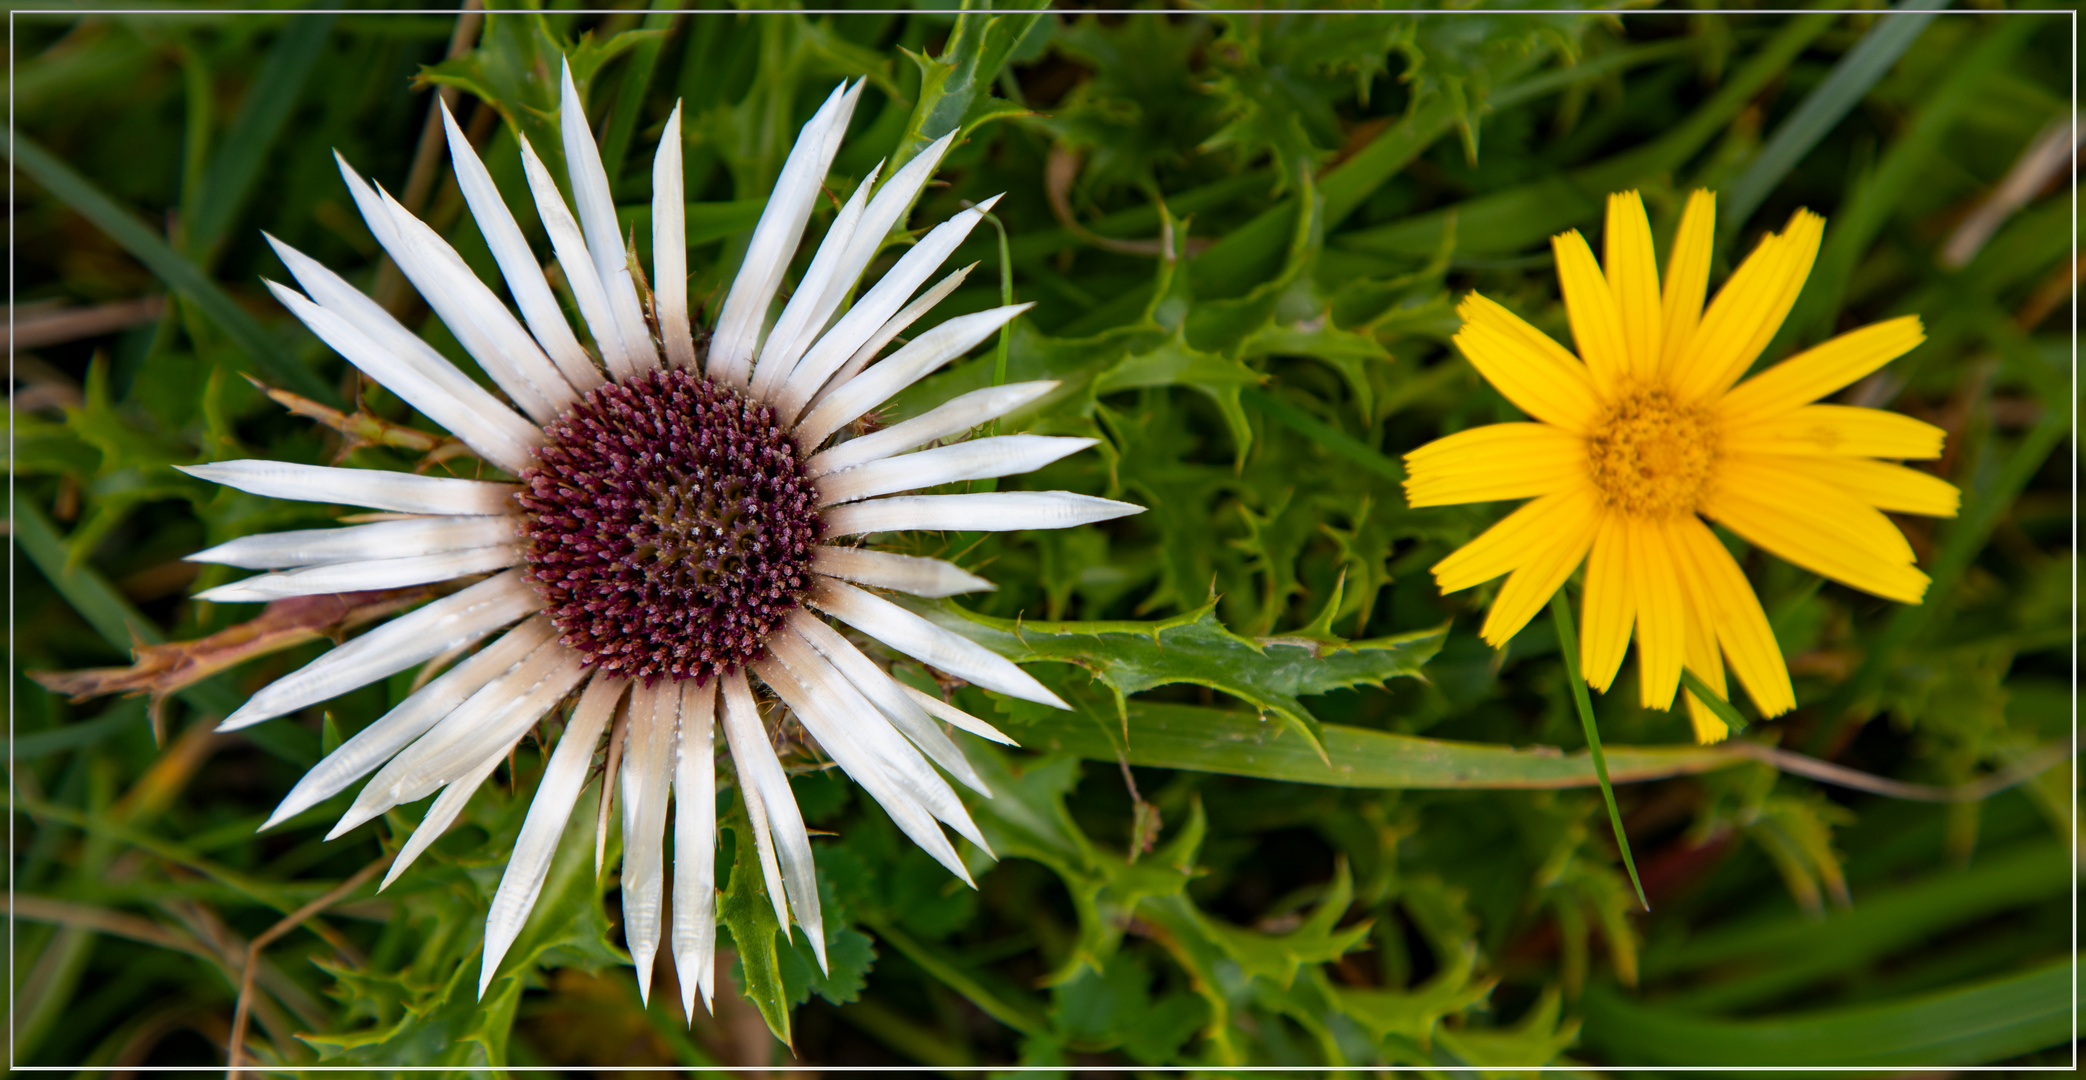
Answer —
1243 234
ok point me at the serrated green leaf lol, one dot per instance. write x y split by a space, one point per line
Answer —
1540 1036
849 956
1026 818
750 916
1270 673
35 446
1279 957
1106 1010
1455 56
956 87
429 1010
1279 75
515 69
1141 106
1175 363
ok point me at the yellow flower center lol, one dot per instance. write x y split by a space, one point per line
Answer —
1651 456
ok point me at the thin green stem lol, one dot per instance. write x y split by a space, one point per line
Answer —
999 355
1725 711
1568 646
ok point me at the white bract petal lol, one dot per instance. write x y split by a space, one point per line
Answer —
423 634
539 307
875 308
988 511
462 302
468 412
978 459
885 212
888 570
793 331
597 219
425 707
955 717
900 761
695 844
928 643
759 770
373 322
500 344
377 540
484 727
647 777
901 369
441 814
577 264
359 576
823 716
556 794
404 492
952 417
775 238
670 247
875 684
892 327
747 736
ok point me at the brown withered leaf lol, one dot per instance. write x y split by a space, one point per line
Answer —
160 670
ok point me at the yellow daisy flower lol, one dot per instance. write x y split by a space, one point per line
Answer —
1644 434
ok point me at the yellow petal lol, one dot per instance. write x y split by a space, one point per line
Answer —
1816 526
1661 613
1687 278
1530 587
1497 461
1704 660
1729 605
1518 538
1888 487
1522 363
1590 304
1633 279
1816 372
1842 430
1749 309
1605 624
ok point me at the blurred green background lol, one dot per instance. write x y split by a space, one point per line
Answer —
1244 235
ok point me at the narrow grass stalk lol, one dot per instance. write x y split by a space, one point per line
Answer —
1725 711
1568 646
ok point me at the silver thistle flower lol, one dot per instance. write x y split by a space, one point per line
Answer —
673 529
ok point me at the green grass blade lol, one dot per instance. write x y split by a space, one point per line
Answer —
275 91
116 620
124 714
1910 159
1758 961
1970 1025
1568 647
265 356
1984 505
630 96
1834 98
1018 1015
1724 709
90 594
1509 221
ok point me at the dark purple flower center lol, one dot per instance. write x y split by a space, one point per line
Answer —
670 522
